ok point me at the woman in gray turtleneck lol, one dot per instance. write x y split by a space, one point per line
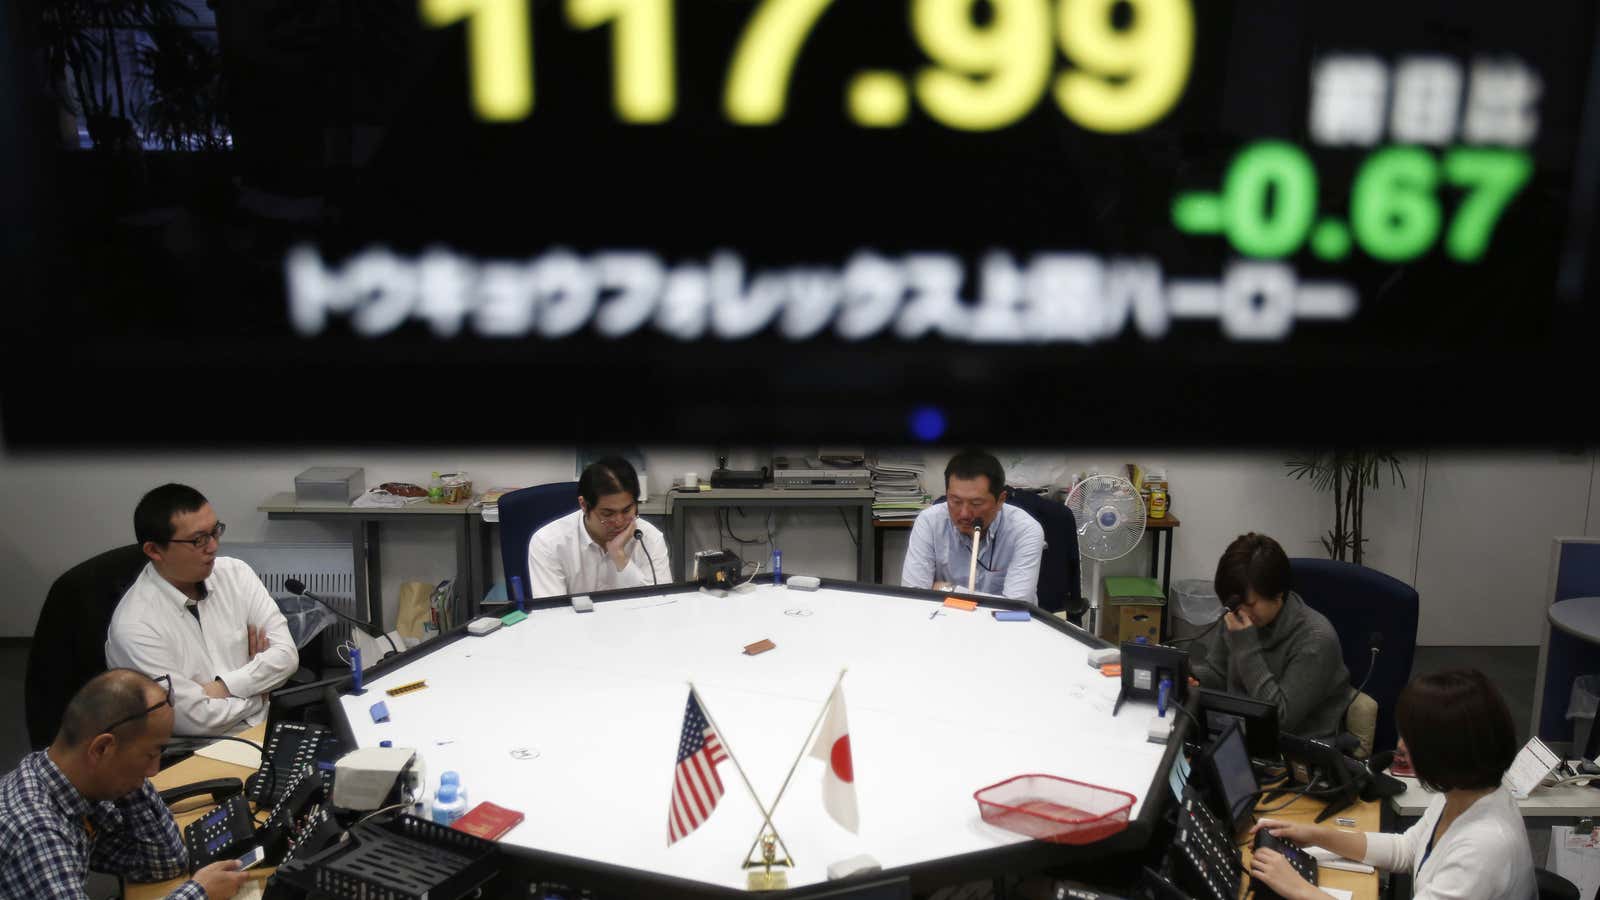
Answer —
1274 647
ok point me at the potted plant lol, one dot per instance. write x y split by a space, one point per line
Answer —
1347 474
183 83
85 42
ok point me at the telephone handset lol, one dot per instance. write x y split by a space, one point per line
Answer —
219 790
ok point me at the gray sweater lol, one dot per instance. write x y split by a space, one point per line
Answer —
1294 663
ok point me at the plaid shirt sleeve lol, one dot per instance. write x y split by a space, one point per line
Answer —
42 862
148 847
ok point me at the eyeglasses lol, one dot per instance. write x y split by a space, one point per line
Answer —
203 538
166 701
607 515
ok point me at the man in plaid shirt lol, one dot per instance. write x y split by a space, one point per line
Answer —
84 803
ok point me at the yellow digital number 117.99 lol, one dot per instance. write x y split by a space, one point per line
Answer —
499 53
988 76
1150 59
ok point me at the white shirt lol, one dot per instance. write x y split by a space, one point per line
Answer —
153 633
563 559
1484 855
1008 555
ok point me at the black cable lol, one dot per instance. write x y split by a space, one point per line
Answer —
638 535
223 737
1297 795
1199 726
271 770
853 539
728 515
1196 637
1372 663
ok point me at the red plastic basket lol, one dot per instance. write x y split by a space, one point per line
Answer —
1058 810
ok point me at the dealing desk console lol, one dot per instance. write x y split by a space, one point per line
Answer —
574 719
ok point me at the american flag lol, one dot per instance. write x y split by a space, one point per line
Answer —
695 785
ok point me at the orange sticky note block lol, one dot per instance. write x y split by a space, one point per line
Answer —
958 603
1111 670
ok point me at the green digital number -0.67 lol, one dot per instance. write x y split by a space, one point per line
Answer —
1268 203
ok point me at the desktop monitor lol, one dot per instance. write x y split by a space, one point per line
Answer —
1225 778
1311 761
1257 721
1145 667
301 702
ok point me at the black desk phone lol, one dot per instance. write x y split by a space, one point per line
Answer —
294 780
1300 860
1203 858
290 747
222 833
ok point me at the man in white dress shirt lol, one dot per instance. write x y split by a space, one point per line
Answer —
601 546
206 620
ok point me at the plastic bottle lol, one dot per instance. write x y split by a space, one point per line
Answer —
436 489
448 804
777 566
454 778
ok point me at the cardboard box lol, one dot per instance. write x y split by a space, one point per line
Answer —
325 484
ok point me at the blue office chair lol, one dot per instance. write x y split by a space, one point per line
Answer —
1059 566
524 511
1359 602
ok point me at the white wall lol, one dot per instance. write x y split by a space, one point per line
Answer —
60 509
1471 531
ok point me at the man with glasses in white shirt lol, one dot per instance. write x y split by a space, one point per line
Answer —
205 619
601 546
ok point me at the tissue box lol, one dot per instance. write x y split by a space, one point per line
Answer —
330 483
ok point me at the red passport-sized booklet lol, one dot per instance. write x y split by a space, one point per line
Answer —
487 821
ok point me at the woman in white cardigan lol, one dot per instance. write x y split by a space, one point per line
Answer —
1470 843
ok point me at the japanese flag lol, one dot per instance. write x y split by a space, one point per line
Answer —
839 780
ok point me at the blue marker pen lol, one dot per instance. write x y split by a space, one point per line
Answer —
355 668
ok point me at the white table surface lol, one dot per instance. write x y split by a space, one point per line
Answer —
1578 616
1557 802
938 708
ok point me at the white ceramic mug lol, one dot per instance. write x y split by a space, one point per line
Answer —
691 479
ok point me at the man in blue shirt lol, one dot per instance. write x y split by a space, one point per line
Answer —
1011 542
86 801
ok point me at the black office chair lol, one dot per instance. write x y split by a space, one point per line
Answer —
524 511
69 640
1059 566
1554 887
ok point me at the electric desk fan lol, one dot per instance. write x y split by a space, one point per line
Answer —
1110 517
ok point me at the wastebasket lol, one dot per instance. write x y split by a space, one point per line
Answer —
1581 709
305 618
1194 605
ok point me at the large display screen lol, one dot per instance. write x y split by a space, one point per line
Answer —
1084 220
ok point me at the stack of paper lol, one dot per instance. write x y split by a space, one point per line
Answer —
489 502
897 487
